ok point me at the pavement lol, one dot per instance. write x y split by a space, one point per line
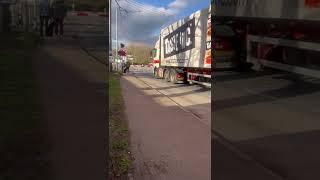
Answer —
166 141
74 99
227 161
193 98
272 117
228 165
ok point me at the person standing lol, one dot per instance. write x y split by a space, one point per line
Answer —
59 13
44 16
126 65
124 62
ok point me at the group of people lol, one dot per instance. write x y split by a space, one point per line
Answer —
55 12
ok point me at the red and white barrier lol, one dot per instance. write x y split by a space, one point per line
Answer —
88 13
82 14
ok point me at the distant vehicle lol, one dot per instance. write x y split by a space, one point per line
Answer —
183 50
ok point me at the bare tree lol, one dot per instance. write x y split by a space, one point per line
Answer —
141 53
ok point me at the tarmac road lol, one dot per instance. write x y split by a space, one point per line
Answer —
273 117
86 25
193 98
167 140
226 163
90 32
74 99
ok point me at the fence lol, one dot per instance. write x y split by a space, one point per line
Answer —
117 66
25 15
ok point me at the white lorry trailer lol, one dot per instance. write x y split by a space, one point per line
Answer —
183 50
279 34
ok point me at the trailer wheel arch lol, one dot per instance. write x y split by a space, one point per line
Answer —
155 73
166 74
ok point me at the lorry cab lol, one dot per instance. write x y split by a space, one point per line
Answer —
155 56
182 53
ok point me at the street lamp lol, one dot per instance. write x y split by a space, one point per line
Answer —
73 6
117 33
109 24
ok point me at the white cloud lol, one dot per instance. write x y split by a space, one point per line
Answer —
178 4
144 21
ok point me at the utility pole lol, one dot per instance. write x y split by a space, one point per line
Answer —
1 18
73 6
117 29
108 23
105 20
110 29
26 16
117 35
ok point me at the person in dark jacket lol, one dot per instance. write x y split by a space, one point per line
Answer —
59 13
44 15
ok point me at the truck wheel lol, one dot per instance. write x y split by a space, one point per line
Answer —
294 56
173 76
167 75
185 81
155 73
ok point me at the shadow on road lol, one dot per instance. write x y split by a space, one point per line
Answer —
294 156
163 136
297 87
196 88
73 91
226 165
228 76
291 155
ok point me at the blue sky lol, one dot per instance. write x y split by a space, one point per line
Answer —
145 18
200 4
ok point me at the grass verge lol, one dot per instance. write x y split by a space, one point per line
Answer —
120 161
22 137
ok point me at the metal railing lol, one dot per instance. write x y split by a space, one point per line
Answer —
117 66
25 15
